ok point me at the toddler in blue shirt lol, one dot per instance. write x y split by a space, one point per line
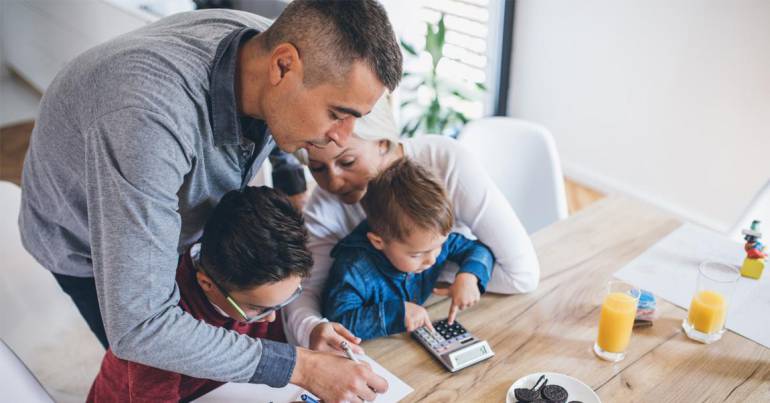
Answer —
388 266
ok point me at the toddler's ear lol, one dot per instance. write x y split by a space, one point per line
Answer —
376 240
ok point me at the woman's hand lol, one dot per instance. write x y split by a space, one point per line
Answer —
464 293
327 336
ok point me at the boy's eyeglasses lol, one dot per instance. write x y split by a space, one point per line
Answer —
264 311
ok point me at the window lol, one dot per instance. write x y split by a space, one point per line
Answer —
471 50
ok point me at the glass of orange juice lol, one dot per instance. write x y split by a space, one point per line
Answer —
705 321
616 320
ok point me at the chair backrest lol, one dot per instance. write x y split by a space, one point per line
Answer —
758 209
20 384
521 158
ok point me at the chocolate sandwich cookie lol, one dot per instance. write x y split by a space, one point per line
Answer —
555 394
525 395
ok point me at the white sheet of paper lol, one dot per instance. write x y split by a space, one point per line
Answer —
669 270
246 392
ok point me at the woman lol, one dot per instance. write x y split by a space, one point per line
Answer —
333 210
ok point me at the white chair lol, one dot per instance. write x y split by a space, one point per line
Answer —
758 209
521 158
65 357
18 383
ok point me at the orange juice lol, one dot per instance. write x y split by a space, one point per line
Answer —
616 322
707 312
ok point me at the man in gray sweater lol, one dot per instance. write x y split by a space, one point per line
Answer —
138 139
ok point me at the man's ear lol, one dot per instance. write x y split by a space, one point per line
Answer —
376 240
284 60
204 281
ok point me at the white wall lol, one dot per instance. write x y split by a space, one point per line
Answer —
664 100
40 36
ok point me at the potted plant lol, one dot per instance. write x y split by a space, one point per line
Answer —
435 116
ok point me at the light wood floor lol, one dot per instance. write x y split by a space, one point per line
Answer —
580 196
14 141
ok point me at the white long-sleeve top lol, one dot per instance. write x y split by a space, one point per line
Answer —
480 209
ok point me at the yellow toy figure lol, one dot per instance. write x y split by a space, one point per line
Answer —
755 252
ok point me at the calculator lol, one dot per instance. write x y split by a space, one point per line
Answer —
453 345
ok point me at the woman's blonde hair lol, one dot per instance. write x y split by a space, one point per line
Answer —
378 125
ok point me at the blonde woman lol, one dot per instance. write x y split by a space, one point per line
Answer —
333 211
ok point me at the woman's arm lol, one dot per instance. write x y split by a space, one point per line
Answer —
328 220
480 205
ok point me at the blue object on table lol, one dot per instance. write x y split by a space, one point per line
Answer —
645 310
646 300
306 398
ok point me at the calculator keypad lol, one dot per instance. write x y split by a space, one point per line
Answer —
444 336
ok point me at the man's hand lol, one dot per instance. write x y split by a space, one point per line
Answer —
416 317
327 336
464 293
336 379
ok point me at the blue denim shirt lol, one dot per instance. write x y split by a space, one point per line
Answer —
366 293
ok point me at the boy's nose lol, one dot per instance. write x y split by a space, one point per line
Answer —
270 318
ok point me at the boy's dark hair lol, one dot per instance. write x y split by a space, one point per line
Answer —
330 35
403 196
254 237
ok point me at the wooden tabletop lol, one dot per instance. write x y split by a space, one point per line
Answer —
553 329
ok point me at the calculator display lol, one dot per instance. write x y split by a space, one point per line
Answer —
469 354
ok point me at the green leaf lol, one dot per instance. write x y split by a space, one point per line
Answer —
408 48
430 41
432 116
481 86
434 41
444 123
414 87
441 33
408 101
461 116
460 95
409 131
405 129
458 89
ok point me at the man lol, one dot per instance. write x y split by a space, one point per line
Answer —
138 139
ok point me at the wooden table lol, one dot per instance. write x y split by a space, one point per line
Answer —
553 328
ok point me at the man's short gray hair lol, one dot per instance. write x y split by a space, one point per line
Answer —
332 34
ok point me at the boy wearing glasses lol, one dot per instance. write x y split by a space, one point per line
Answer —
248 265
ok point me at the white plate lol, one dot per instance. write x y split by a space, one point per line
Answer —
577 390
